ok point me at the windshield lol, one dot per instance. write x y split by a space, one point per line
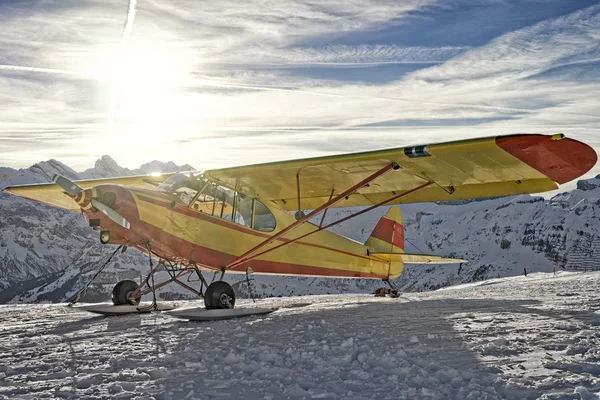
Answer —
184 185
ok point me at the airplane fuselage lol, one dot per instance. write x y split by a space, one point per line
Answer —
181 234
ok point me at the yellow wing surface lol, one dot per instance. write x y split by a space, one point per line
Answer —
477 168
52 194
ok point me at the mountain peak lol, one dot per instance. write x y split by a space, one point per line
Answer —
47 169
159 166
589 184
105 167
106 159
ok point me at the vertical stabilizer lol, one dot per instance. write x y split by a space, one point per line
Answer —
388 235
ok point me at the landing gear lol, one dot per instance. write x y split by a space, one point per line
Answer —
219 295
391 291
382 292
121 292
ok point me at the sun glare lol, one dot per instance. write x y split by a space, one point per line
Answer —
147 86
151 104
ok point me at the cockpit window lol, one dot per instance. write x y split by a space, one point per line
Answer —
264 220
206 201
233 206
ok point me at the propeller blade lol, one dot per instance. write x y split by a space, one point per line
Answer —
112 214
70 187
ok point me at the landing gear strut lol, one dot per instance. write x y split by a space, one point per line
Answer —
122 291
219 295
392 290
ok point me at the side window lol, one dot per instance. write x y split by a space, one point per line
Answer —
242 209
264 220
224 203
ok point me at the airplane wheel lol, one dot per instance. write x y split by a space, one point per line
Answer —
121 292
219 295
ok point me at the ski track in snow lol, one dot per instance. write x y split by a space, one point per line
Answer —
533 337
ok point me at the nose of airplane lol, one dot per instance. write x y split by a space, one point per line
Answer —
103 199
84 198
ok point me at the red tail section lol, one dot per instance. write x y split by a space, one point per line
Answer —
388 235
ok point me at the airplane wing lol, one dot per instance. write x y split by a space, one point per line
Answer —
53 195
477 168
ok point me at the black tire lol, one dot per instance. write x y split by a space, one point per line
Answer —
219 295
121 292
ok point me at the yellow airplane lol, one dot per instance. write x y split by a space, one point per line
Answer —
237 220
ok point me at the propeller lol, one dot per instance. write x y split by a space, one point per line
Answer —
110 213
73 190
68 186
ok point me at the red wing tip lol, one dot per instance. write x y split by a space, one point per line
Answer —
560 159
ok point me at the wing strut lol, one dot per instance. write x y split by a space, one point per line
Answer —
298 191
251 254
231 265
247 255
325 212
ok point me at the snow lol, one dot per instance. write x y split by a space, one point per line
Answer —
533 337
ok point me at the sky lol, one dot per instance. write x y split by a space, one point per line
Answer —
226 83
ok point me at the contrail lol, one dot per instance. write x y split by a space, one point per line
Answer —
24 68
124 40
129 23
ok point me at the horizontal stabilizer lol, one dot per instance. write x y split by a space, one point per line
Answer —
417 258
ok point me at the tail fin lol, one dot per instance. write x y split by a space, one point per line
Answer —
388 235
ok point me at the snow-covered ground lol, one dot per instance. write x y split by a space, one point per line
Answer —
517 338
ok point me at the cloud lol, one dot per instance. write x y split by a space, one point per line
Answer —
528 51
345 55
227 83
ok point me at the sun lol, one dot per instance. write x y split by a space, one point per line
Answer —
149 102
142 82
145 69
147 86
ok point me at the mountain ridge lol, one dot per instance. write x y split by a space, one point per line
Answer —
104 167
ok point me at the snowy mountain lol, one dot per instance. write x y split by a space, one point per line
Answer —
46 254
106 167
